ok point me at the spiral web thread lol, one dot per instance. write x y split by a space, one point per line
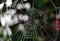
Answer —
31 31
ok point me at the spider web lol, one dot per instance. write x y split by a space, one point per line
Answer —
31 30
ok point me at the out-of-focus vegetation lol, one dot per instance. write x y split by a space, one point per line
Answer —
41 25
